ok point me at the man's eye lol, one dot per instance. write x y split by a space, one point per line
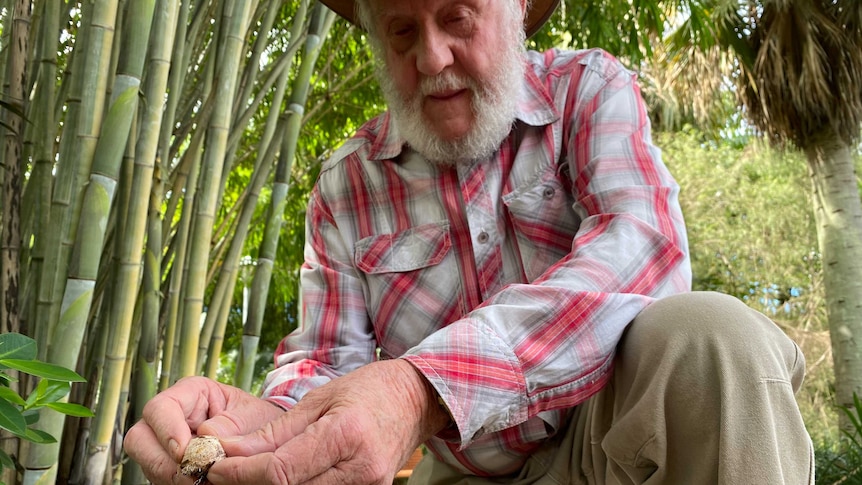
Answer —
400 30
461 24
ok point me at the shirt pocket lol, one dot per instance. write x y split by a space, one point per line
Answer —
409 250
412 285
545 223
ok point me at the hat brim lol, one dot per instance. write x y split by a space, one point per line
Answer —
540 12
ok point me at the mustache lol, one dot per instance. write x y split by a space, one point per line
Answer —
445 81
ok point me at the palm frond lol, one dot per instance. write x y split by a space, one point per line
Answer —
805 54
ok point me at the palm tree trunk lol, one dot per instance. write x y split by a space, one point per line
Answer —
838 213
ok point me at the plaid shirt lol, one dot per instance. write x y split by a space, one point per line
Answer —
507 282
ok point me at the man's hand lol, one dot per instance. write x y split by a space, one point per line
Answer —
191 407
358 429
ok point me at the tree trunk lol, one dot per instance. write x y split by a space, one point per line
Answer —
838 214
12 160
12 181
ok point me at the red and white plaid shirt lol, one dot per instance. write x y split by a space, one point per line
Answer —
507 282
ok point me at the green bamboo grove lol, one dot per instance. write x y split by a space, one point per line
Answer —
157 156
124 123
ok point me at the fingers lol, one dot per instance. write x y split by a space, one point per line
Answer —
242 418
280 427
309 459
157 463
306 456
173 414
192 406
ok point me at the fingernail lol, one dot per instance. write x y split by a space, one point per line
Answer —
231 439
174 446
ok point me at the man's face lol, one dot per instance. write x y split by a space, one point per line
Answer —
452 72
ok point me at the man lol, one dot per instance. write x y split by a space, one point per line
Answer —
497 267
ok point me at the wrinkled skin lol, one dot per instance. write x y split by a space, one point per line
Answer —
359 428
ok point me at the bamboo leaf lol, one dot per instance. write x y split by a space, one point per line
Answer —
43 370
11 418
71 409
17 346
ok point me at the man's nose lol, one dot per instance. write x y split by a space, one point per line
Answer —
434 53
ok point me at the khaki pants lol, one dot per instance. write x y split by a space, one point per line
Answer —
702 393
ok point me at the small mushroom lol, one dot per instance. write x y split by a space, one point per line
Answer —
200 455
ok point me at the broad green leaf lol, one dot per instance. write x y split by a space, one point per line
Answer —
43 369
31 416
48 391
38 436
17 346
71 409
11 396
11 418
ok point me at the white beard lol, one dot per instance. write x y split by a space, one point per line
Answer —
494 103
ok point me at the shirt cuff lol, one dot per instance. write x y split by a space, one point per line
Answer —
476 375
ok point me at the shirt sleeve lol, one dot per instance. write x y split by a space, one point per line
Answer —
550 344
334 335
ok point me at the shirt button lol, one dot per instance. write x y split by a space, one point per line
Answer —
483 237
548 193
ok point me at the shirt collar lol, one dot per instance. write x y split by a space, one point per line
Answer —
535 108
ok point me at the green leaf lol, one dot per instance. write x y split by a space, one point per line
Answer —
6 461
31 416
43 369
11 396
71 409
11 418
38 436
48 391
17 346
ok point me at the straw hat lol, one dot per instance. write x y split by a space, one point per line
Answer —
540 11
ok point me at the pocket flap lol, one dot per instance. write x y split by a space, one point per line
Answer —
412 249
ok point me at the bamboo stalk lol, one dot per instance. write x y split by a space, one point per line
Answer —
128 272
236 14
